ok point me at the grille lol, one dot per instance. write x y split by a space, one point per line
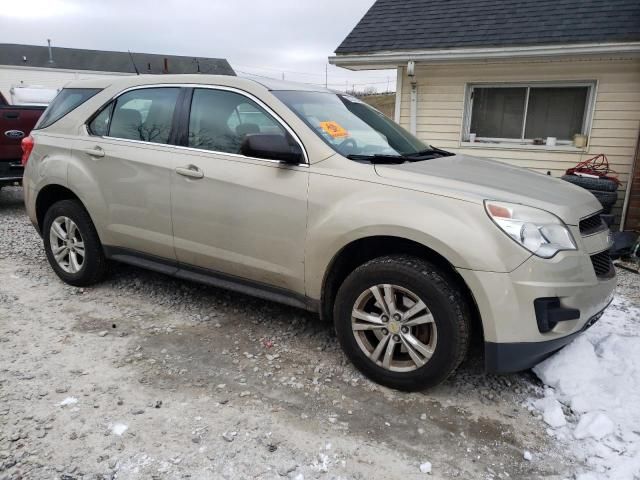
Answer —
602 264
591 224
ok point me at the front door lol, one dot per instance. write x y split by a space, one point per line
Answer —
234 214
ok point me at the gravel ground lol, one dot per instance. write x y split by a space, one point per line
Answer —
145 376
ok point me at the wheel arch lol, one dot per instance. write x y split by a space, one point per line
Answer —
360 251
50 194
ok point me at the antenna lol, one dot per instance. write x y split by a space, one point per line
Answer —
133 63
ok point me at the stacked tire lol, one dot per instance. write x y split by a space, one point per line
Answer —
603 189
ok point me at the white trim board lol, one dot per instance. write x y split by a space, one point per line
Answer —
388 58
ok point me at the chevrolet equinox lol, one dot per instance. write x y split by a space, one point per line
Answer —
312 198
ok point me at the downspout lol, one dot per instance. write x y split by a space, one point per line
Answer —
627 193
398 105
413 107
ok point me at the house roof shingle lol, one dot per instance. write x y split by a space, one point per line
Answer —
108 61
440 24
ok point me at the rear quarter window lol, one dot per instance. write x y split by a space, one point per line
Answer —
67 100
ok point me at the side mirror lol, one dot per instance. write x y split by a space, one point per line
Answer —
271 147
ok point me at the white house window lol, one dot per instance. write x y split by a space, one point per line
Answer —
528 113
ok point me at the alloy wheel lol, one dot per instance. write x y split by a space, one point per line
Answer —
394 328
67 245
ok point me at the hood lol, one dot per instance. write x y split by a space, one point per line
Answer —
478 179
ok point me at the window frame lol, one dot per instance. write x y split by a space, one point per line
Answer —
587 121
181 114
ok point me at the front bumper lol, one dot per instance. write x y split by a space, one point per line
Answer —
512 334
514 357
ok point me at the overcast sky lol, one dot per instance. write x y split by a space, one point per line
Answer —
267 38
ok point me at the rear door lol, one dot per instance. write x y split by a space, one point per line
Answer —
129 155
234 214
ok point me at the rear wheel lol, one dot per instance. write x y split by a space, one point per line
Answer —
72 245
402 322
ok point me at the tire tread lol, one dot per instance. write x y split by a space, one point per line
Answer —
96 269
441 280
599 184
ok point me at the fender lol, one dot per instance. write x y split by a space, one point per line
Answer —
380 210
45 167
87 189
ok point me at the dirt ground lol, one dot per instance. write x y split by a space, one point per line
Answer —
148 377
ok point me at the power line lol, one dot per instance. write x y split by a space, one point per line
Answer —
311 74
353 84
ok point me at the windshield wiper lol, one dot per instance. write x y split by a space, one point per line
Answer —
431 152
389 159
378 159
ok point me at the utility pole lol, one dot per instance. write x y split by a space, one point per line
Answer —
282 75
50 51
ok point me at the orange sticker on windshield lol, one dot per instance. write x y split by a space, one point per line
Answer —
334 129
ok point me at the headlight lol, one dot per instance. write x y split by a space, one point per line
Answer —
540 232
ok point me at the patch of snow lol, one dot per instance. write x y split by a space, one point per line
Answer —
119 428
597 377
68 401
595 425
527 455
551 409
425 467
323 463
586 476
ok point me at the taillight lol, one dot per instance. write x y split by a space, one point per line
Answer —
27 146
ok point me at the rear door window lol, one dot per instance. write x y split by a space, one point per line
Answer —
145 114
100 123
67 100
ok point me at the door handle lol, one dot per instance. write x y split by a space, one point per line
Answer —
94 152
190 171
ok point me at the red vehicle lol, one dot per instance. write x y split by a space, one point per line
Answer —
16 122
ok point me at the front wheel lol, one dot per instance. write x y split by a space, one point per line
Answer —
402 322
72 244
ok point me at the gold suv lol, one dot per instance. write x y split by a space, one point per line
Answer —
312 198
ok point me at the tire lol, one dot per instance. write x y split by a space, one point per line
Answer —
606 199
93 265
608 219
600 184
450 317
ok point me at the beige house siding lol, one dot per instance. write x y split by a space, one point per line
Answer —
615 123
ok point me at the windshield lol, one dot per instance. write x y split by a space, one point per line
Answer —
350 126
